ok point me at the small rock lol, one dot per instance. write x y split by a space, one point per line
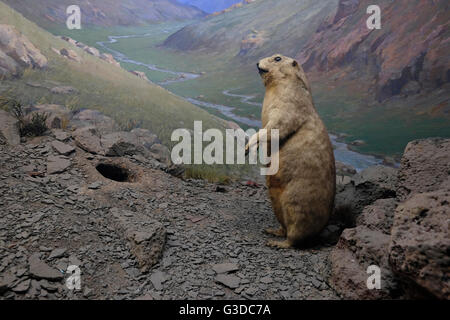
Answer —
57 164
266 280
64 90
158 278
225 267
61 135
57 253
229 281
62 148
47 286
87 292
70 54
96 185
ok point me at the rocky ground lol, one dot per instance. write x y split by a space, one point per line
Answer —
58 210
112 203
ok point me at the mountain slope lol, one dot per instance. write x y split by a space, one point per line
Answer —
408 55
210 6
256 28
99 85
385 87
105 12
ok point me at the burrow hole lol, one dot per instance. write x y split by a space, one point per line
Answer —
114 172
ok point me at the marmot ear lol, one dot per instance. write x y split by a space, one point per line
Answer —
295 63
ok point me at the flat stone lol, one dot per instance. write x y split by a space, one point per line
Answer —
266 280
6 281
229 281
62 148
225 267
47 286
61 135
22 286
41 270
251 291
146 296
57 164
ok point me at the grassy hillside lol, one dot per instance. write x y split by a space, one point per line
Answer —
104 87
226 48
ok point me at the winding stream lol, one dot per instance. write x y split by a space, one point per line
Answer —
342 152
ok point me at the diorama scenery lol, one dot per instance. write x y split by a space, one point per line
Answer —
224 150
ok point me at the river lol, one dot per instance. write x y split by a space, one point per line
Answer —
342 152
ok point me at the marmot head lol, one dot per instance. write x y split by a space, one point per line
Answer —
279 69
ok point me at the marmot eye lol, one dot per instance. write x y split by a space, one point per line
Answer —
278 59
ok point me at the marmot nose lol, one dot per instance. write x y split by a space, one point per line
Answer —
257 64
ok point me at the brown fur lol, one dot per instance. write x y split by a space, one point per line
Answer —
303 190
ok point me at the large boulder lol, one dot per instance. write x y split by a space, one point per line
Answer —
363 246
357 249
373 183
9 129
420 242
424 166
17 53
379 215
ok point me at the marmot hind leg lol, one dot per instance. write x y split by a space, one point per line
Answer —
280 232
286 244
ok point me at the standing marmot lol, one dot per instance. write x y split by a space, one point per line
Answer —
303 190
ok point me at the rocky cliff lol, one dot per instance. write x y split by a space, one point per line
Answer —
407 56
